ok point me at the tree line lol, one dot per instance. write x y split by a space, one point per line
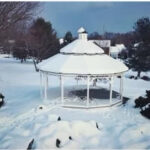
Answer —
138 57
25 36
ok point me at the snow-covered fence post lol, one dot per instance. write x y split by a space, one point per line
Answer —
45 86
121 88
62 89
88 85
110 88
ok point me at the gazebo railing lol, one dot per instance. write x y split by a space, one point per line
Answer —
44 93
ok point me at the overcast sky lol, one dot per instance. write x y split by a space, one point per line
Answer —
94 16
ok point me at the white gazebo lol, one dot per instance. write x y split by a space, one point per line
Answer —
81 58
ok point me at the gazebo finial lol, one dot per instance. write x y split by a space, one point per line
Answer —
81 30
82 33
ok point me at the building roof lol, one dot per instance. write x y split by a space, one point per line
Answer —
102 43
117 48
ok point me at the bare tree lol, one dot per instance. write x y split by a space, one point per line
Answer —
13 12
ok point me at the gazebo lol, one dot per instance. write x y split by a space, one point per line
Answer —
81 58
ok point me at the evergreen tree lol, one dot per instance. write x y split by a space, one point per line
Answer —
142 30
43 41
68 38
20 50
140 58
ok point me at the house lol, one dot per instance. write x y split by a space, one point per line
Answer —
104 44
116 50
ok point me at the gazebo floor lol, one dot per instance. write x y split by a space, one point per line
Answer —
99 98
77 102
91 106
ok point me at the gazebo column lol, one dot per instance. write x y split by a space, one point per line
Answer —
62 89
45 86
88 85
110 88
121 88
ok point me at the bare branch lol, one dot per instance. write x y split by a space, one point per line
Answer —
13 12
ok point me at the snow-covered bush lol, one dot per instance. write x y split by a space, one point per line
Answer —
146 112
58 142
144 104
146 78
31 145
141 102
1 100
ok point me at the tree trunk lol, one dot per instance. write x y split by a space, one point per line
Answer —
138 74
36 69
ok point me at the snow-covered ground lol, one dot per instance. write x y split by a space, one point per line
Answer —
22 120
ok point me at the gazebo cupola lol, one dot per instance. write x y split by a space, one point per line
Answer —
82 34
81 58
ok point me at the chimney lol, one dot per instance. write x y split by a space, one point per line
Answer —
82 34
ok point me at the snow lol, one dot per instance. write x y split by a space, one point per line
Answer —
102 43
81 30
61 41
115 50
80 46
77 55
25 116
74 64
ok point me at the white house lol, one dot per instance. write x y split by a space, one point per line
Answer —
115 50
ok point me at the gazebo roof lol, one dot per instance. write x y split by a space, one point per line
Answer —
82 57
81 46
82 65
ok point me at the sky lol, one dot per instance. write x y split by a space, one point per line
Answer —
94 16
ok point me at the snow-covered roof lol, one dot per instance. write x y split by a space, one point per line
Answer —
81 46
117 48
136 44
61 40
82 64
81 30
121 47
82 57
114 49
102 43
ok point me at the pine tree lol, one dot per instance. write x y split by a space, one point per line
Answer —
43 41
68 38
20 51
140 58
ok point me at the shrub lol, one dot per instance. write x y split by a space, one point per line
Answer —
58 142
31 145
146 78
131 77
146 112
1 100
148 94
142 102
